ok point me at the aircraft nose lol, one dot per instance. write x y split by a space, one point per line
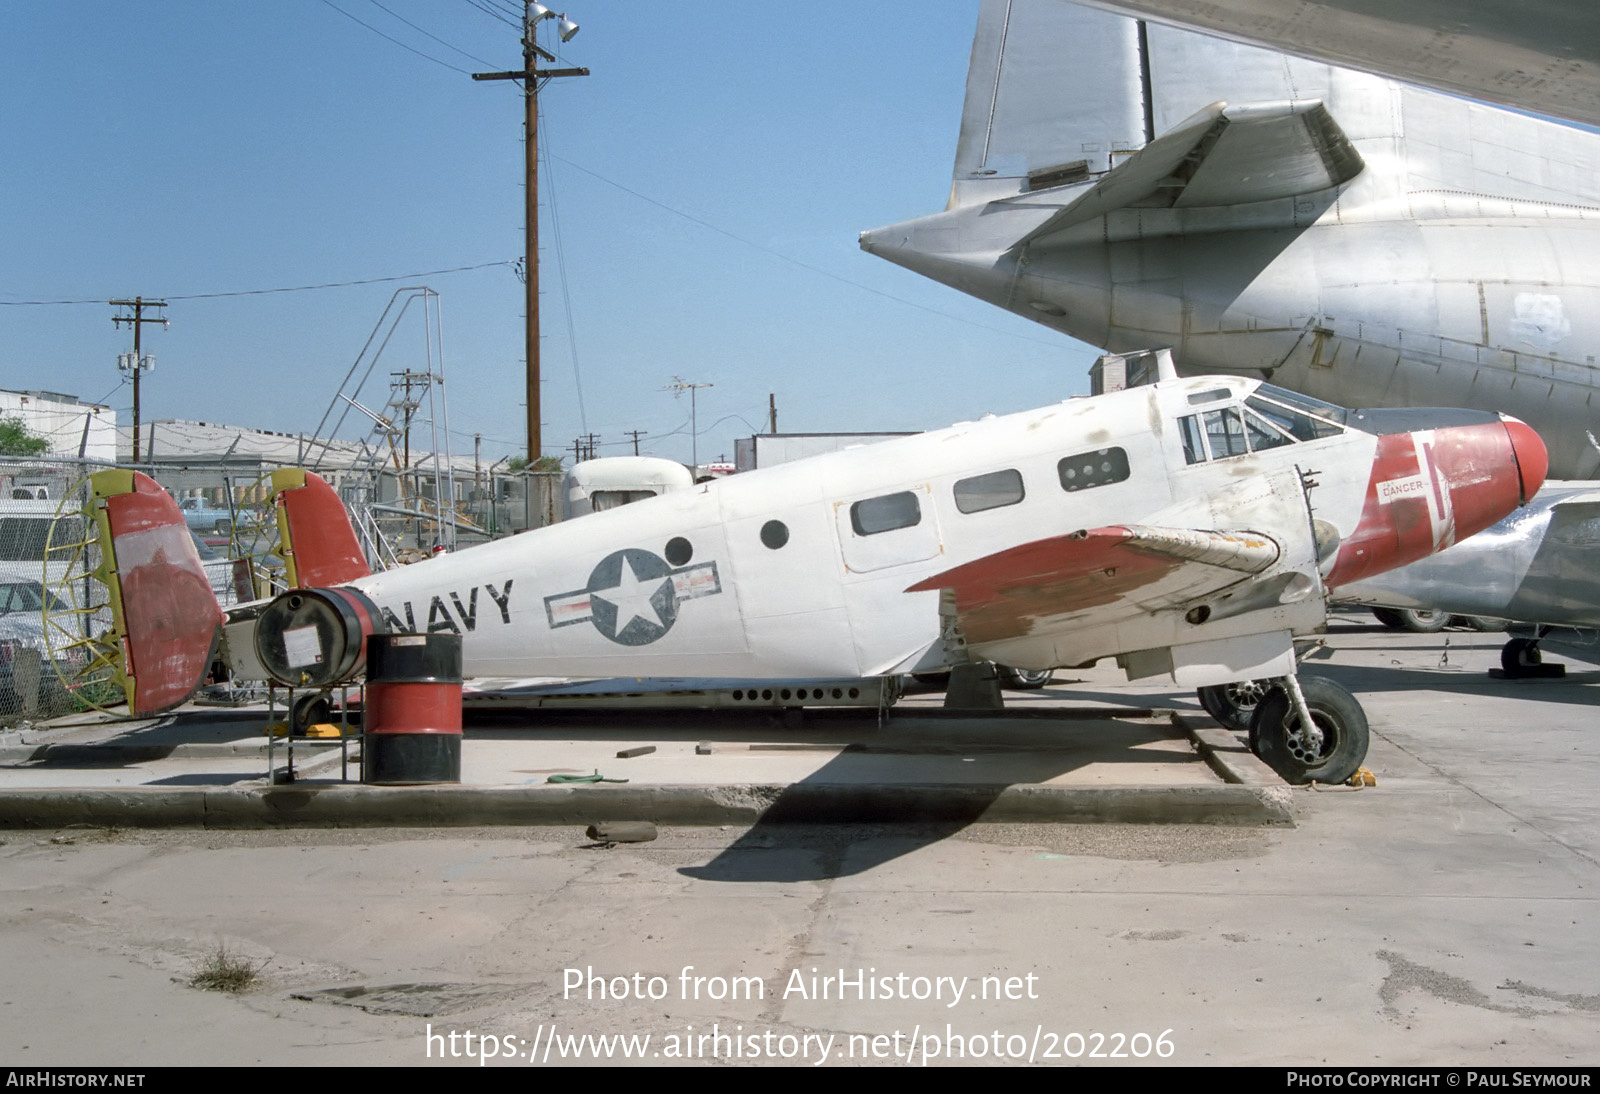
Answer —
1533 461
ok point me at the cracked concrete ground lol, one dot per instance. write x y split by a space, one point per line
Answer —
1447 916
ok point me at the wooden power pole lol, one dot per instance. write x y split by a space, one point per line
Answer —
137 362
531 76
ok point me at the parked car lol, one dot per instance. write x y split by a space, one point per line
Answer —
22 604
202 517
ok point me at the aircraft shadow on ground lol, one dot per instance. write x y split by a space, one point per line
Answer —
879 820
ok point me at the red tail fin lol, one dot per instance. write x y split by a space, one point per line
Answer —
318 545
166 616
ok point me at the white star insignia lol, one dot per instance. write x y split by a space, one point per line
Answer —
631 597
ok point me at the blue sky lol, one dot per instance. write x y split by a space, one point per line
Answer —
185 148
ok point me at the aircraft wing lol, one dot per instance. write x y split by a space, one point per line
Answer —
1112 572
1223 155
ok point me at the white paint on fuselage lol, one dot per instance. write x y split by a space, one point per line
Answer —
801 610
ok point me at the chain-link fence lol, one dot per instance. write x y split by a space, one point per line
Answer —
51 611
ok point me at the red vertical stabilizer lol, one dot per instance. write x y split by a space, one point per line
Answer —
166 615
319 546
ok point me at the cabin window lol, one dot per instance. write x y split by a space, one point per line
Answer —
1101 467
885 514
989 491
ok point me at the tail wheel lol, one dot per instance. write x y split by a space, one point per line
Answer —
310 709
1331 755
83 646
1234 705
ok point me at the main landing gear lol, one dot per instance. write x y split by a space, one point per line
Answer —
1521 658
1307 729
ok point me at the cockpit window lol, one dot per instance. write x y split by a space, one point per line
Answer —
1225 432
1257 426
1327 416
1296 423
1263 433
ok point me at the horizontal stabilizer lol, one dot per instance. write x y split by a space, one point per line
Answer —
1224 155
316 540
167 618
1004 594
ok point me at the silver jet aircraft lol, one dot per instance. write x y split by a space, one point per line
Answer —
1188 528
1346 235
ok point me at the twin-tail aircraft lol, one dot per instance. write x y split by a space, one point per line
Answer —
1190 528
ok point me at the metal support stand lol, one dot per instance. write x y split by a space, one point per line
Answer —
345 735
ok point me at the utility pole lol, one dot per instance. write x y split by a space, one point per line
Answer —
678 386
531 77
137 362
636 434
772 411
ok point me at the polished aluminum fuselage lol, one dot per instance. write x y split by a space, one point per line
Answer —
1459 266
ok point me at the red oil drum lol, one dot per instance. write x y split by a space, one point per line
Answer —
412 722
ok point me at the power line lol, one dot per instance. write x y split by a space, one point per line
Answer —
561 271
266 292
435 37
494 14
396 41
796 262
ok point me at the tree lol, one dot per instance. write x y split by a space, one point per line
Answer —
16 439
543 463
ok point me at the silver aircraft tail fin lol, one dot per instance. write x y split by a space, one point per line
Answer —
1058 93
1053 95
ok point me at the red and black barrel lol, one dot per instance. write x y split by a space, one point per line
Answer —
315 638
412 722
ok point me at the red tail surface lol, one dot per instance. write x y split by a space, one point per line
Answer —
319 545
166 615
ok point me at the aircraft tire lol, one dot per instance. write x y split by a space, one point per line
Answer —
1234 705
311 708
1418 621
1024 679
1518 655
1337 714
1389 617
